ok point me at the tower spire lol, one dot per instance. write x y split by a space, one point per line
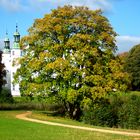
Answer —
6 32
16 27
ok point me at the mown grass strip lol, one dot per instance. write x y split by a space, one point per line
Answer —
14 129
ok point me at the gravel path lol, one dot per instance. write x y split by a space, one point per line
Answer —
24 117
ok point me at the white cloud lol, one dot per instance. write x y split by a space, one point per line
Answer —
125 43
22 5
93 4
11 5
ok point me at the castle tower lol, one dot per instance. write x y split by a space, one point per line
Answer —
16 53
6 60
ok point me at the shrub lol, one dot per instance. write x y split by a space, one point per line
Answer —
32 106
24 103
118 110
129 113
5 96
101 114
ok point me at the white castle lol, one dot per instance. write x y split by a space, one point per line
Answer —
8 57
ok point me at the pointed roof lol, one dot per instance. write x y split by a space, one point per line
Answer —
16 33
6 38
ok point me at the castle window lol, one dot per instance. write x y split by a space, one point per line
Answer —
13 87
13 74
13 53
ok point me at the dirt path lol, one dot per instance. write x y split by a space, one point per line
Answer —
24 117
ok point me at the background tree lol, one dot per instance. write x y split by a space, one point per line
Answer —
71 57
123 56
5 94
2 73
132 66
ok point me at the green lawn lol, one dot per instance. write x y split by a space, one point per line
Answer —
43 116
14 129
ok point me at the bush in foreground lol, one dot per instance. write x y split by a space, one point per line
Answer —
115 111
129 113
5 96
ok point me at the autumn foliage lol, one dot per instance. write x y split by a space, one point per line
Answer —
71 57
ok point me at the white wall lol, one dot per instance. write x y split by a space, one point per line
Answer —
15 54
6 60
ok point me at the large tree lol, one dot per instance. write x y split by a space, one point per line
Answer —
132 66
71 57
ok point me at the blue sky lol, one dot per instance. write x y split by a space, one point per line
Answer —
122 14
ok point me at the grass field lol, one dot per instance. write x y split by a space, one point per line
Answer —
44 116
14 129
